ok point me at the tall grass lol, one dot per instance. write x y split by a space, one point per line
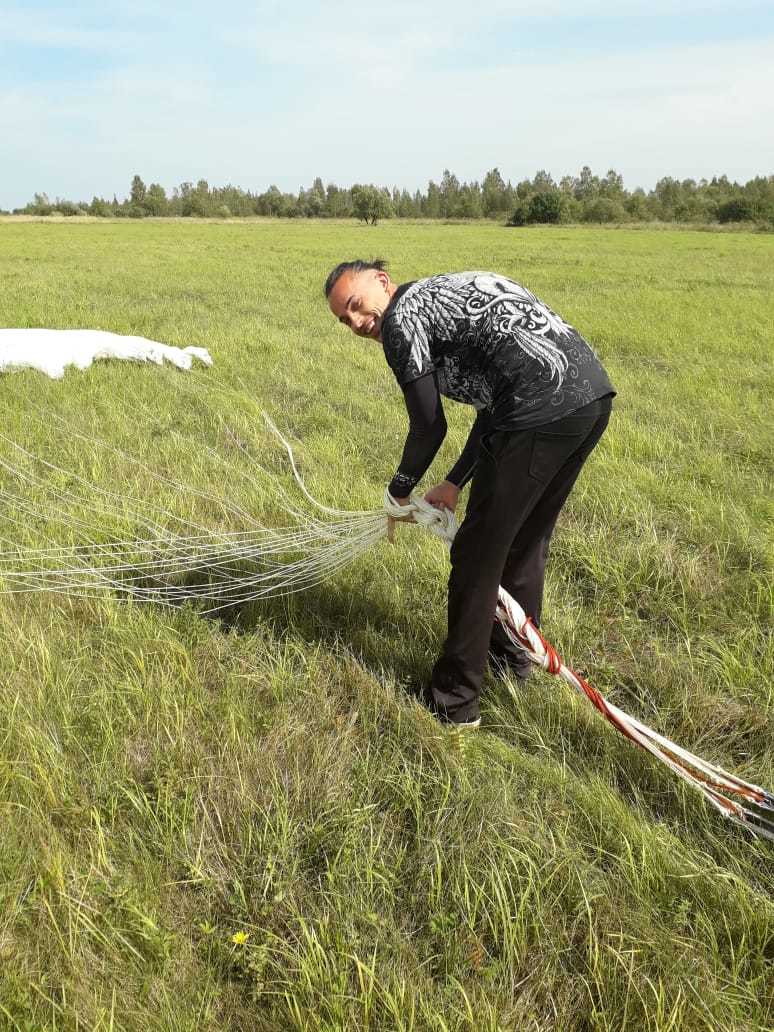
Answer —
248 823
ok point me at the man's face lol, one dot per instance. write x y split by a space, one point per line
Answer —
359 299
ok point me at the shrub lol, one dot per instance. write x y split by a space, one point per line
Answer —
604 209
572 210
545 207
39 206
519 215
738 209
194 207
635 207
223 212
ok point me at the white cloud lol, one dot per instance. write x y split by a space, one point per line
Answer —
703 107
376 116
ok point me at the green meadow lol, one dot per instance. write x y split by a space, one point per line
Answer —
247 823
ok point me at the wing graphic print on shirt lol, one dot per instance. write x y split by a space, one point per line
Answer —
520 304
428 309
481 305
515 312
492 344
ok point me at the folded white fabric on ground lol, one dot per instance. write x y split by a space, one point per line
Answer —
51 351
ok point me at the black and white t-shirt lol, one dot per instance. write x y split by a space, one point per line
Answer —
483 339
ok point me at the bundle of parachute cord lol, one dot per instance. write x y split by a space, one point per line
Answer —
171 565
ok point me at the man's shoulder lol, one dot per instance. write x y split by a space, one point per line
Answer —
449 299
420 298
399 312
444 285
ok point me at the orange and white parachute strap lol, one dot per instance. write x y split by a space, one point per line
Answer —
738 800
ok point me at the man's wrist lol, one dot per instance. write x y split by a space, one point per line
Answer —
401 485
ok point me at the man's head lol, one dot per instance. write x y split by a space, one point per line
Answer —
358 293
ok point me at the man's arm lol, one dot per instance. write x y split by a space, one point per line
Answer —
446 494
463 468
427 429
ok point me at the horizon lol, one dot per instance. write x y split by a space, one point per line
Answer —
173 189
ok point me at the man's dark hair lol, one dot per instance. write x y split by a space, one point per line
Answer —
357 265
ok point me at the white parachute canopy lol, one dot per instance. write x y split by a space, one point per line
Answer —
51 351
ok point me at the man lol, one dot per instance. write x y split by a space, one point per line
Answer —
543 401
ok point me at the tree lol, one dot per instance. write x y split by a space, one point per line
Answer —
543 182
338 202
432 202
99 207
271 202
194 205
612 185
469 201
669 192
40 205
312 202
370 204
407 206
137 191
155 202
635 205
586 185
194 200
572 210
450 190
493 199
65 207
582 197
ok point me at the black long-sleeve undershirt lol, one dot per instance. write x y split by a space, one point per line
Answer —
427 429
463 468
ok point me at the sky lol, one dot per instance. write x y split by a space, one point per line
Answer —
94 91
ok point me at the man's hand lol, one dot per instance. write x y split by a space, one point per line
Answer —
392 520
444 495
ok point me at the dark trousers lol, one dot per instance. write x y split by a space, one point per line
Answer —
521 482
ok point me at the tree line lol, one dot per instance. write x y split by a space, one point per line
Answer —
583 198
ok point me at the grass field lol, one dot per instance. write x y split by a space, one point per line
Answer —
249 824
